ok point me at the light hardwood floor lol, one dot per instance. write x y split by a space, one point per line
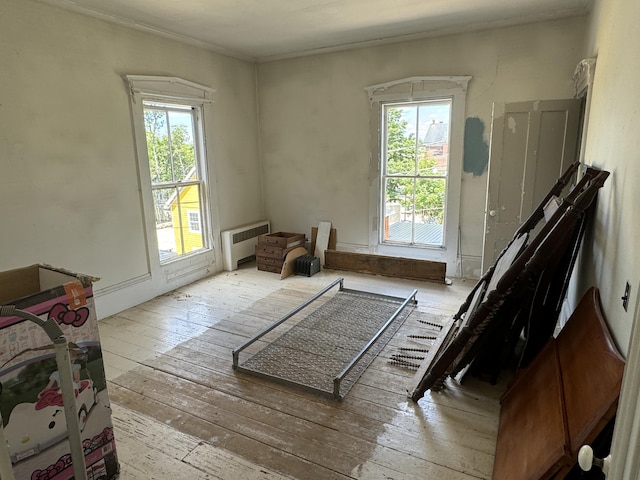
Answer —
181 412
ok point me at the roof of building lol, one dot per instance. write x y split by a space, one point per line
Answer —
437 133
425 233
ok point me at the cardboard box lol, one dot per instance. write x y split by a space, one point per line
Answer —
30 403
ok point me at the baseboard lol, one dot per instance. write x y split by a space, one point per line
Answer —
116 298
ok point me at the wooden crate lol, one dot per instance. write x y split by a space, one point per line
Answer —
272 252
269 268
276 262
272 249
282 239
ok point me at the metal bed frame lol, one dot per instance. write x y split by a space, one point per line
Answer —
337 381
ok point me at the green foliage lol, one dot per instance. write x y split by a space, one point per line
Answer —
171 157
169 160
408 157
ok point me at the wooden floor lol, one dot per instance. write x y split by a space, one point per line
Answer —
181 412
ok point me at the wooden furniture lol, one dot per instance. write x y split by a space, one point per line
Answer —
272 249
562 400
522 292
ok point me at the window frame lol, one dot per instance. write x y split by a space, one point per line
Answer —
415 89
416 176
177 184
173 91
193 222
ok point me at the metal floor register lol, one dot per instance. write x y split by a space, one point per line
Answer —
327 350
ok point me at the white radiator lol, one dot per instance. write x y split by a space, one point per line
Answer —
240 243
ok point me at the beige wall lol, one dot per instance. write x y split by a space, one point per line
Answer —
69 191
68 187
314 118
613 144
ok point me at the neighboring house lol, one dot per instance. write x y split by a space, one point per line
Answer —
185 217
436 141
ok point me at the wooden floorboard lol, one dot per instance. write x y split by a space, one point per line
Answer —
181 411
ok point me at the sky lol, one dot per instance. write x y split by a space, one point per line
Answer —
438 111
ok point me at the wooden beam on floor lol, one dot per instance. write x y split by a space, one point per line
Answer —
397 267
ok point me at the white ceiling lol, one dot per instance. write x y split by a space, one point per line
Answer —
268 29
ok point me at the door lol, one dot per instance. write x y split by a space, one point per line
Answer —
532 143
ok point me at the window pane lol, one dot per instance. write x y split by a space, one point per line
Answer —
164 223
433 132
170 145
182 146
400 140
178 221
398 208
157 130
182 212
429 211
417 148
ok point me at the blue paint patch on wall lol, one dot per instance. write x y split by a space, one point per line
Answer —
476 149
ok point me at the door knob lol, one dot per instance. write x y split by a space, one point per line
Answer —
493 213
586 460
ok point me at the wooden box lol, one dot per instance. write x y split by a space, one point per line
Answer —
276 262
282 239
272 249
268 267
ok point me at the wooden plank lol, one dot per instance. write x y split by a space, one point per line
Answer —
226 466
139 436
312 441
397 267
333 239
322 241
289 261
252 450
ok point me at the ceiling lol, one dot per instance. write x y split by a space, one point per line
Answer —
263 30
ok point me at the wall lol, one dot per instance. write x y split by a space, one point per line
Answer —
612 144
314 119
69 192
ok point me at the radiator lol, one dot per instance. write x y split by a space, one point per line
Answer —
240 243
307 265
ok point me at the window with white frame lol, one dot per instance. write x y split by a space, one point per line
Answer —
194 221
168 120
417 130
415 163
176 184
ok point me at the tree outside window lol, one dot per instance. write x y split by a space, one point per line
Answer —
175 181
415 172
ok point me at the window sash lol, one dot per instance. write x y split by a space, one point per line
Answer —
424 228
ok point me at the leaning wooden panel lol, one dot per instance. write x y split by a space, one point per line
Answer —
397 267
515 289
532 436
592 370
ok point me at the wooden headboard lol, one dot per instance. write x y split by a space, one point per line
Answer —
592 368
562 400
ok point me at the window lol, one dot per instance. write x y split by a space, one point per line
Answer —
176 183
168 118
414 171
417 129
194 221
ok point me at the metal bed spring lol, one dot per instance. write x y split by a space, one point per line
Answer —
337 380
